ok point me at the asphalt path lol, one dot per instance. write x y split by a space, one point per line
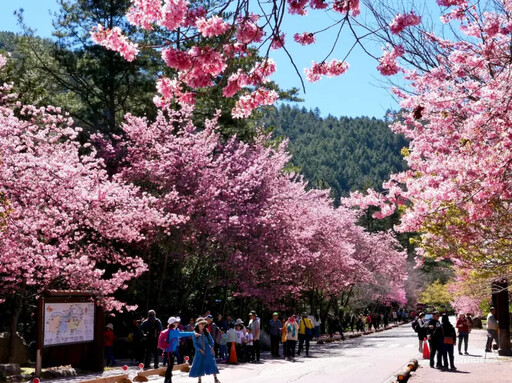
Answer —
372 358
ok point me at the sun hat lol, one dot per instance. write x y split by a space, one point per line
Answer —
110 326
172 320
201 320
238 322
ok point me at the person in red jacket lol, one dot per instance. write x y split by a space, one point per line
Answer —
109 344
464 328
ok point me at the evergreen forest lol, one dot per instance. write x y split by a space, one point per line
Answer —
343 154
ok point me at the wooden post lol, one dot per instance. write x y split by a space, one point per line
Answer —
500 300
40 334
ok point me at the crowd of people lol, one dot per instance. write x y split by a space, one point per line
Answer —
207 341
442 337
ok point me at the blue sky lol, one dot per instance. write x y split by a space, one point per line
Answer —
359 92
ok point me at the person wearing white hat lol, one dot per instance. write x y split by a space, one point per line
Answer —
172 335
204 360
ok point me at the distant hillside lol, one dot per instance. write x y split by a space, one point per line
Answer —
344 153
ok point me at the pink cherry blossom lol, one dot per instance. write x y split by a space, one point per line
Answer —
68 220
113 39
297 7
331 69
403 21
278 41
214 26
248 31
177 59
347 6
247 103
174 13
304 38
145 13
388 62
449 3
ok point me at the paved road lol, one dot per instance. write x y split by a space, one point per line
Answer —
371 358
477 367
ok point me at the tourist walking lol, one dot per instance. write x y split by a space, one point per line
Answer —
317 322
492 330
204 361
151 329
109 344
254 325
448 342
420 330
463 328
213 329
173 341
292 334
305 333
283 340
434 335
275 334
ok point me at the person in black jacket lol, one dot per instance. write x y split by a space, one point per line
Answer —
434 336
448 342
421 330
151 328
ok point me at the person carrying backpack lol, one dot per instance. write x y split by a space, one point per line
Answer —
305 333
151 329
168 341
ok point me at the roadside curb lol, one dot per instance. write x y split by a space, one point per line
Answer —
337 337
406 371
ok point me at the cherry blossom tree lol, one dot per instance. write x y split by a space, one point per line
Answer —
459 156
456 192
200 41
271 236
66 223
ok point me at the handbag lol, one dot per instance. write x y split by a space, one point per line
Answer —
309 332
448 339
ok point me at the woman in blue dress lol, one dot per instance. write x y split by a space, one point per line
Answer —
204 361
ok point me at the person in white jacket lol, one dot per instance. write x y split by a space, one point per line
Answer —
492 330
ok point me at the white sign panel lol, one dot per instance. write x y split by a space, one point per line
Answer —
68 323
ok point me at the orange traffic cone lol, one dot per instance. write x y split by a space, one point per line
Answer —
232 355
426 352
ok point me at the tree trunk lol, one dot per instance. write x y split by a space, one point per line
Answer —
162 279
16 311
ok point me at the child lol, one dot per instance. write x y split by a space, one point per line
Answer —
223 346
249 345
240 337
231 337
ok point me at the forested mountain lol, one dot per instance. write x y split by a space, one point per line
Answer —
344 154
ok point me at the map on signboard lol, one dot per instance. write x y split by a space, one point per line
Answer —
68 323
